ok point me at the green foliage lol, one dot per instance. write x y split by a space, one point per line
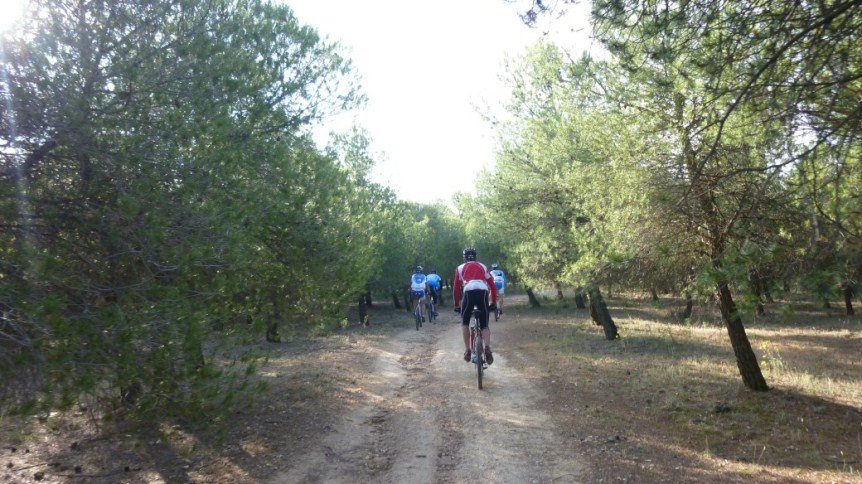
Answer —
159 193
717 150
396 236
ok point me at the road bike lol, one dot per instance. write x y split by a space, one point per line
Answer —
476 346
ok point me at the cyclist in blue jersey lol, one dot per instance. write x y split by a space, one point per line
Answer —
500 281
434 284
418 290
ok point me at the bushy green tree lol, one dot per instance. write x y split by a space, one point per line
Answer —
156 184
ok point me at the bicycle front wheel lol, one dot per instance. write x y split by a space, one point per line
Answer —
479 355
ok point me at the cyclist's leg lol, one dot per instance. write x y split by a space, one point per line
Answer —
466 313
477 298
416 301
483 318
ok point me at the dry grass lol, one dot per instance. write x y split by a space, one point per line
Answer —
672 393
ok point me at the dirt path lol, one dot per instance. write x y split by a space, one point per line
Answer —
426 421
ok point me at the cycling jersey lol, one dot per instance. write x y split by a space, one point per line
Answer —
499 279
473 275
417 285
434 281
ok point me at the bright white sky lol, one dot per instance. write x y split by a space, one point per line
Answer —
10 11
426 66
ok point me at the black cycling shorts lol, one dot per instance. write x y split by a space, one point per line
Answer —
477 298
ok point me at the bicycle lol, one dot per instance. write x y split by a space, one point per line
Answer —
417 315
430 305
476 346
497 312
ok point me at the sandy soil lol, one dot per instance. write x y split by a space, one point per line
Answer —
425 420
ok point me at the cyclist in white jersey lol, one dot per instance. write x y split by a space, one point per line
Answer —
418 290
500 280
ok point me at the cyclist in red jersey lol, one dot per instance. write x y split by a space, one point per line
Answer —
473 285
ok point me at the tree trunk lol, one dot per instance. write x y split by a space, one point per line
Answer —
363 314
129 393
594 313
368 297
713 239
559 291
689 300
272 335
654 295
534 303
600 314
746 361
407 304
849 290
757 288
689 304
579 298
395 301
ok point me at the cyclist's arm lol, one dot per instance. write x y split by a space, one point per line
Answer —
456 289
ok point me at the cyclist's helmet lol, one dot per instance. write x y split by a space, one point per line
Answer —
469 254
495 265
419 269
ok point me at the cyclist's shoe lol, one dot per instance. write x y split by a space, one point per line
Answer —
467 356
489 357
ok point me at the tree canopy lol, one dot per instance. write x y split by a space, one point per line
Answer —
715 150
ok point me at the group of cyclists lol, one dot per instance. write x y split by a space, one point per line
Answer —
474 286
421 286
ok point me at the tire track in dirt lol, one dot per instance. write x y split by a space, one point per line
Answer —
425 420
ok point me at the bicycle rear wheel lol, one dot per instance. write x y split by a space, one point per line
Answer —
417 315
479 355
